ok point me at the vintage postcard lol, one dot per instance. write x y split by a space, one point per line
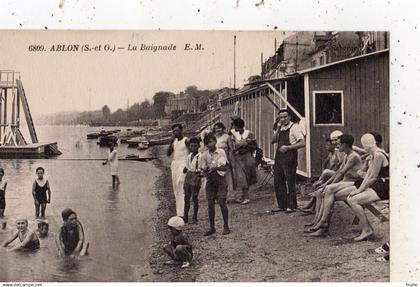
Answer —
194 156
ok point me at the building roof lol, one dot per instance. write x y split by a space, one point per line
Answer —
301 72
249 87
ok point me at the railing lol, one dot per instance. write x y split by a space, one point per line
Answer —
8 78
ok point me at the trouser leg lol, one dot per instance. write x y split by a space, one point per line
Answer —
195 202
187 198
280 185
211 212
290 173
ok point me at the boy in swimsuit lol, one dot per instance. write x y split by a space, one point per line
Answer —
71 239
41 192
178 249
28 239
3 186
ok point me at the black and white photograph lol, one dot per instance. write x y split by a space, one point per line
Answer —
194 156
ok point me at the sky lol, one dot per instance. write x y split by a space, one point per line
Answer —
77 81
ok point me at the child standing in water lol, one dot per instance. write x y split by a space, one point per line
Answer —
179 249
113 163
71 239
41 192
28 239
3 185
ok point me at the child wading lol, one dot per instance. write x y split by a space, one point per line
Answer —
71 239
41 192
214 166
28 239
192 182
179 249
113 163
3 186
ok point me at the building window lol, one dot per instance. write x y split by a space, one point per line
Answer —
322 60
328 108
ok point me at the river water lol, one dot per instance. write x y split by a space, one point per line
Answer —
117 223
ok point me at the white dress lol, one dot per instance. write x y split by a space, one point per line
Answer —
113 162
179 161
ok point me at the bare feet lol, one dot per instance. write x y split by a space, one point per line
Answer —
364 235
322 232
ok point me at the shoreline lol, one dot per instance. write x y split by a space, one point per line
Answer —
265 247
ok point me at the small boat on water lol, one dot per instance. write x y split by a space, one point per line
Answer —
160 141
129 134
101 134
107 140
134 142
143 145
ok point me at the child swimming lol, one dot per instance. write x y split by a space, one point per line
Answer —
179 249
28 239
3 186
39 192
71 239
43 229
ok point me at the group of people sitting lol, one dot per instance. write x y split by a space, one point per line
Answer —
228 161
71 238
353 175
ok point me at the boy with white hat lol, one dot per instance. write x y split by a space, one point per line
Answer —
179 249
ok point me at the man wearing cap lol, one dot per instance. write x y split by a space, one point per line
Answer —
289 138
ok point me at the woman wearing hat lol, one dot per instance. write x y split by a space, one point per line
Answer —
374 186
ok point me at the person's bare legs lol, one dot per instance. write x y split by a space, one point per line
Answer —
356 203
329 197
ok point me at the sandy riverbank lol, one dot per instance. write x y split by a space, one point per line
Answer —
264 247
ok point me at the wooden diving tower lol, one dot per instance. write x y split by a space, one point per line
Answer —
12 142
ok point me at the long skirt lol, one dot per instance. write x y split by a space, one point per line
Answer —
244 170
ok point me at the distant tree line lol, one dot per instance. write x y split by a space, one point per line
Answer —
145 112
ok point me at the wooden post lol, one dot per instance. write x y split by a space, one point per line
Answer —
17 110
5 107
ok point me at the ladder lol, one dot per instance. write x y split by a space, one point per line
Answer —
25 106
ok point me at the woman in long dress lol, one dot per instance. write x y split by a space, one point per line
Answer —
243 162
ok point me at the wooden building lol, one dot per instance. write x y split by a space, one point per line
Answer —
351 95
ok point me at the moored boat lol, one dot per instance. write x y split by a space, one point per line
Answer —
160 141
107 140
133 142
143 145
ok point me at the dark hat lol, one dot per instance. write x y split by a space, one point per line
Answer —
66 213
